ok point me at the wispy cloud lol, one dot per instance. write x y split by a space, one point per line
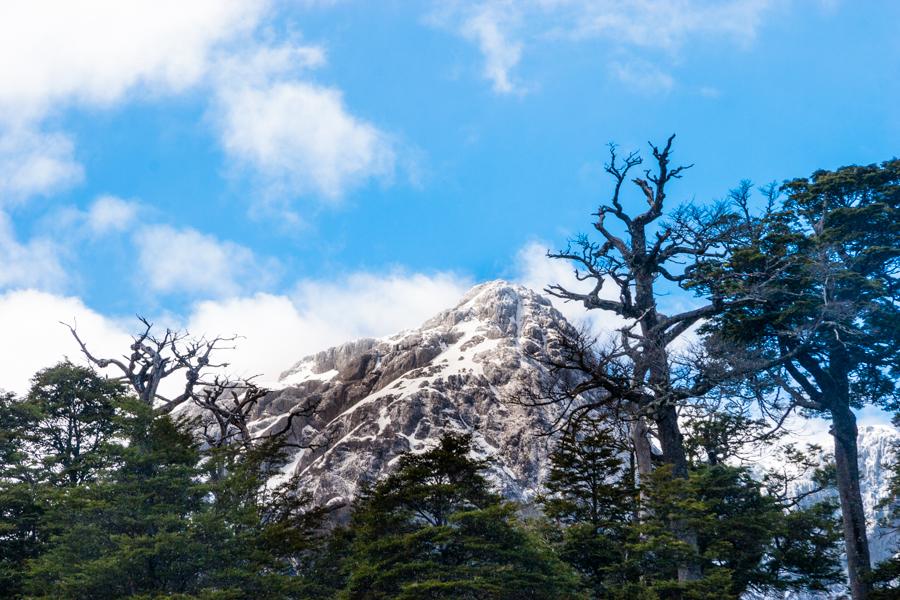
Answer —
487 27
642 76
506 31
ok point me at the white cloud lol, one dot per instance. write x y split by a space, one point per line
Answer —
94 52
278 330
108 214
30 321
187 261
261 65
299 138
372 305
487 28
35 263
501 28
295 136
35 163
664 24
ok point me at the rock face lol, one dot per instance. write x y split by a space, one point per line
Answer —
460 371
877 444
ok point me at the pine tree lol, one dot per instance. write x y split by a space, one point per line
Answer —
822 266
433 529
591 494
886 575
156 523
751 537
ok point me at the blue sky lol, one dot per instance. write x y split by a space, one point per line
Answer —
306 171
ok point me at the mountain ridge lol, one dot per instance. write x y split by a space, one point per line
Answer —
458 371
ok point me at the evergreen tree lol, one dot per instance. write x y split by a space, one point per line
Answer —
591 493
886 575
751 538
50 441
822 268
433 529
155 523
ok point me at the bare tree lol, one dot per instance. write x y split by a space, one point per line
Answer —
226 405
636 372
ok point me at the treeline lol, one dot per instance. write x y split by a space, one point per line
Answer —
102 499
111 489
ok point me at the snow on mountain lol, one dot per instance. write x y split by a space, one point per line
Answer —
459 371
379 398
877 445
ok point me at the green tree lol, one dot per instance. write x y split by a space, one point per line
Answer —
70 415
156 523
433 529
752 537
822 268
51 440
886 575
591 494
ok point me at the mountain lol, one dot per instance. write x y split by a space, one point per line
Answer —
877 445
461 370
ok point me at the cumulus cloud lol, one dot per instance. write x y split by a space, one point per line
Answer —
95 52
276 330
35 163
294 136
35 263
300 138
188 261
30 321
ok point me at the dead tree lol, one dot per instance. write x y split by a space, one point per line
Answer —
226 406
154 359
637 251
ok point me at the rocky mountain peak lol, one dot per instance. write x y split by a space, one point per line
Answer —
462 370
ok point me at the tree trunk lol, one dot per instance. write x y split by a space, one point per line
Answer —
640 441
672 443
846 458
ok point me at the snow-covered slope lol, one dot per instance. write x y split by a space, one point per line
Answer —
876 455
458 371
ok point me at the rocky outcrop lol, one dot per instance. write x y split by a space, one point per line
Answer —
461 370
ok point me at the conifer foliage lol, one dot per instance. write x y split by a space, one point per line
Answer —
433 529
